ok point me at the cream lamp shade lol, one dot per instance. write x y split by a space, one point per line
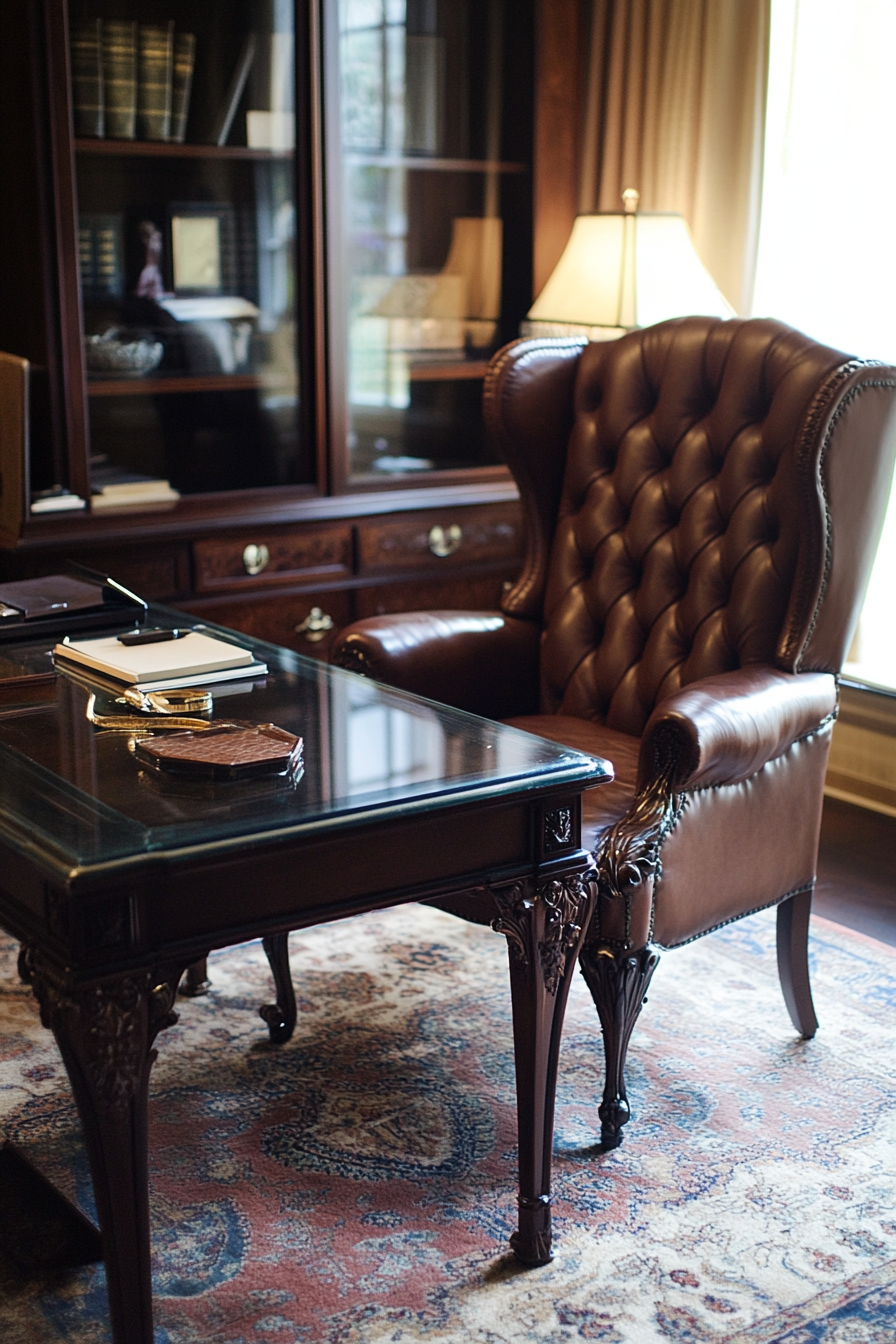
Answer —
620 271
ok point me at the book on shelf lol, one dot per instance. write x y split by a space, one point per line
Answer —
271 130
115 488
155 55
210 308
190 660
182 84
120 78
101 255
87 78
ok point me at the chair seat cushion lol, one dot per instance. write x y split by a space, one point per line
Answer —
602 806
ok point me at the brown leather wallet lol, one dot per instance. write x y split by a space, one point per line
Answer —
223 753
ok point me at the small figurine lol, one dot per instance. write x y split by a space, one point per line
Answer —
149 285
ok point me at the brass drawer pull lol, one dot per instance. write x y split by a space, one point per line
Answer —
445 541
315 625
256 558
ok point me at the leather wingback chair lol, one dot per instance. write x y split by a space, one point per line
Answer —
702 503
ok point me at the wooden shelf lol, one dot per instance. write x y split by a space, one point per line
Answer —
205 382
447 371
168 149
162 149
433 165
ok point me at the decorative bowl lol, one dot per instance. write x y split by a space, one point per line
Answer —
114 353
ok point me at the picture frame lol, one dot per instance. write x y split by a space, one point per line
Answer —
201 248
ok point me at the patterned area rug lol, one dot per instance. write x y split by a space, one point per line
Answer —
357 1185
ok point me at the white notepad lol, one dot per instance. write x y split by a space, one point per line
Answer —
193 655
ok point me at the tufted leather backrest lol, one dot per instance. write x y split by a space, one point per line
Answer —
697 515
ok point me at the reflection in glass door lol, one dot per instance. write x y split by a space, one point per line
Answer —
423 122
185 171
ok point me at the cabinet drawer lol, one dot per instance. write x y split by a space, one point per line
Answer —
438 540
275 618
253 560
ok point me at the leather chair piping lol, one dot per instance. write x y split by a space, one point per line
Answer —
733 919
819 407
845 403
630 852
517 354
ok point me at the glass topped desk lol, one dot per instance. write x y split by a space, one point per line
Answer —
116 881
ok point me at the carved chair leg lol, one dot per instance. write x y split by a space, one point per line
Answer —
544 927
280 1016
195 981
793 962
618 982
105 1032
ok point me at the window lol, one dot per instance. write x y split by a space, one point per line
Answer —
827 253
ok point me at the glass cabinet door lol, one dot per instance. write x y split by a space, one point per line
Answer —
184 118
430 208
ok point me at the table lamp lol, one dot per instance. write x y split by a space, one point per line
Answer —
620 271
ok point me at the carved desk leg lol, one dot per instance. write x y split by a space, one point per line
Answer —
280 1016
544 926
105 1033
618 982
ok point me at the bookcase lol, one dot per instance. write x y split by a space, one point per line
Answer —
256 260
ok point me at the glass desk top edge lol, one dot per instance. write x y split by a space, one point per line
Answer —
371 751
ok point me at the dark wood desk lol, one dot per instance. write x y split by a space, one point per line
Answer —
116 883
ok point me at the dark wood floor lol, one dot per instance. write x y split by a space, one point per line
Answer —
857 870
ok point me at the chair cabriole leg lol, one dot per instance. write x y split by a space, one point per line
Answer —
618 981
195 981
793 961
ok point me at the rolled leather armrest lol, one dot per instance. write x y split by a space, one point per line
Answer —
481 661
721 730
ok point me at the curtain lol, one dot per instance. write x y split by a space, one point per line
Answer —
675 107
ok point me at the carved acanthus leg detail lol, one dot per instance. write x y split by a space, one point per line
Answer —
105 1033
618 982
544 926
564 903
280 1016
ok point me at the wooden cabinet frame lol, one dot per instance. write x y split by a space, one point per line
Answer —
38 151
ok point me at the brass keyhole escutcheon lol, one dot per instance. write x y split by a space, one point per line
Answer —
315 626
256 558
445 541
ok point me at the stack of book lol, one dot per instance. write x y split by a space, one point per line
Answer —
171 660
131 79
100 255
114 488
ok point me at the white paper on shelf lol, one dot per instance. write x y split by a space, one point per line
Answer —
209 307
57 503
